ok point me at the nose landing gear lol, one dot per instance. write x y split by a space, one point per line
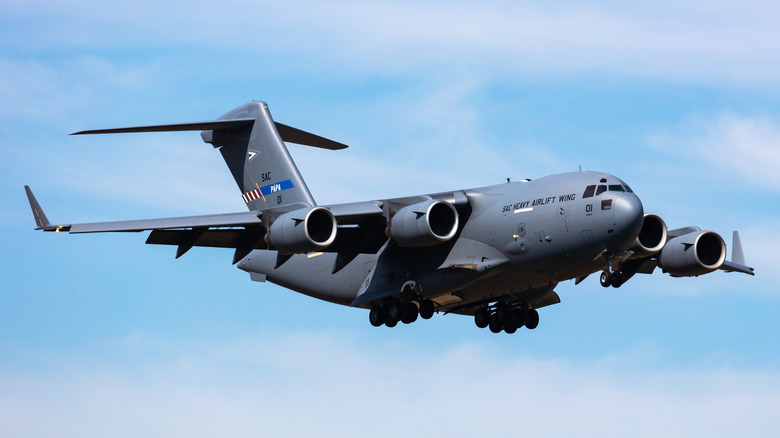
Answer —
614 279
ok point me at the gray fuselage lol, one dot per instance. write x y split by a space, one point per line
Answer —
519 238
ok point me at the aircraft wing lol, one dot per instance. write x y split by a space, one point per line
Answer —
205 221
244 231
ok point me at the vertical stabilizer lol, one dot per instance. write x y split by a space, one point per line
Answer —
259 160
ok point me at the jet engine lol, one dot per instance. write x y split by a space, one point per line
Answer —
301 231
424 224
692 254
652 237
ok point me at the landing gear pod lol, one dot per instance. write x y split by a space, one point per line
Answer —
302 231
693 254
424 224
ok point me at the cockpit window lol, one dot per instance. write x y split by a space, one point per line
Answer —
628 189
616 188
601 189
589 191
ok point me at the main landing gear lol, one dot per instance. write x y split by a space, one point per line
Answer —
394 311
614 279
503 317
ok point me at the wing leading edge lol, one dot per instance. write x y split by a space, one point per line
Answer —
361 226
243 231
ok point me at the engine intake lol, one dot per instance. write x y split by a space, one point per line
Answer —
424 224
301 231
652 237
693 254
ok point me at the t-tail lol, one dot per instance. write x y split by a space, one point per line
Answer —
253 148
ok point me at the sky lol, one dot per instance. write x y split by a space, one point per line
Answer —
101 335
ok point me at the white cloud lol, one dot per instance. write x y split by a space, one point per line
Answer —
739 145
678 41
329 384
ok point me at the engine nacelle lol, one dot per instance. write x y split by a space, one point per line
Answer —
301 231
652 237
693 254
424 224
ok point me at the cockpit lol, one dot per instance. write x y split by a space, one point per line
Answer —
597 189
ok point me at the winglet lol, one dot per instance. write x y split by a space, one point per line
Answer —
737 262
41 221
737 256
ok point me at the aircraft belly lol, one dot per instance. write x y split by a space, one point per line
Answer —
312 274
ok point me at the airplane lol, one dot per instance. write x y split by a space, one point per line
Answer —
495 253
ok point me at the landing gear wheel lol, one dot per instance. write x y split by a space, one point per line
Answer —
519 317
410 313
482 318
426 309
532 319
377 316
391 323
496 324
617 279
510 326
395 311
606 278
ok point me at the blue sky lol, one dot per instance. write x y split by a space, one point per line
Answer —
103 335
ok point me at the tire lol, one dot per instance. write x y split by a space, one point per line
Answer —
482 318
395 311
410 313
606 278
519 317
377 316
532 319
617 279
426 309
496 324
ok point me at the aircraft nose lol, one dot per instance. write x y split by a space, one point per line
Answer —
629 214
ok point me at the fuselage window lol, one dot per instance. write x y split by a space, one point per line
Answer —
601 189
589 191
606 204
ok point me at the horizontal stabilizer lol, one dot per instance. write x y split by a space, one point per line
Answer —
294 135
192 126
288 133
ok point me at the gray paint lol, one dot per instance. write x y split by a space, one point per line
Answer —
513 242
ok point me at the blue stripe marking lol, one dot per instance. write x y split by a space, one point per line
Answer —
276 187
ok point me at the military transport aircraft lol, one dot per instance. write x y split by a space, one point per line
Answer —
495 253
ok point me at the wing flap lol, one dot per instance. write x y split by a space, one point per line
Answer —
211 238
